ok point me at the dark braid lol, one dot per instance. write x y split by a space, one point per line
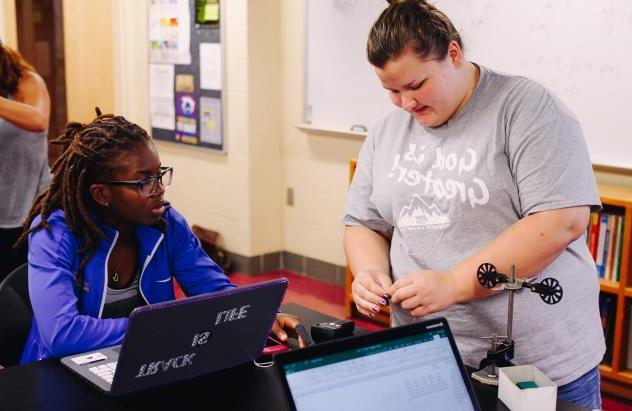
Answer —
91 153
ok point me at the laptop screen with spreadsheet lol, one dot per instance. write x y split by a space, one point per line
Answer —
410 368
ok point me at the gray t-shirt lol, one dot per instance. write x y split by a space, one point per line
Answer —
443 193
24 172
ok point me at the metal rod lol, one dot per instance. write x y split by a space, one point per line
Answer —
512 280
492 373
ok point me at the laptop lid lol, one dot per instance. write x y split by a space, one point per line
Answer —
181 339
413 367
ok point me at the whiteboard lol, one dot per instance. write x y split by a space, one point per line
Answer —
581 50
342 87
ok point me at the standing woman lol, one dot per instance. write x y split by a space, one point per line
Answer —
103 241
24 112
473 167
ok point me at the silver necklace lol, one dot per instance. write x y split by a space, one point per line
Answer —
115 277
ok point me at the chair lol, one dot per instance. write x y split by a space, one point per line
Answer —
15 315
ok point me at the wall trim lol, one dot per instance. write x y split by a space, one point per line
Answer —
287 261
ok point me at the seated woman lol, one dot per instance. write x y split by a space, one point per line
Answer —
102 236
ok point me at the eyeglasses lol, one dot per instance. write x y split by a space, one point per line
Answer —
149 185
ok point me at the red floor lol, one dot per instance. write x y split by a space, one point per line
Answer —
612 404
329 299
309 292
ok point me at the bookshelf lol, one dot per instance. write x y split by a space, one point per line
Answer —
617 373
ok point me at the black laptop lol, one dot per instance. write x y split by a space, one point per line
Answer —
184 338
413 367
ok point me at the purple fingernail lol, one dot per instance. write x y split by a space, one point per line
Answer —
375 309
382 302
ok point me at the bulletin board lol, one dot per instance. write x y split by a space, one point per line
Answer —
186 72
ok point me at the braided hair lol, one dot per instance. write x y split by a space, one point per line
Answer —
91 153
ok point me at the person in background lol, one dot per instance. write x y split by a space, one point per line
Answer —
103 241
24 173
474 167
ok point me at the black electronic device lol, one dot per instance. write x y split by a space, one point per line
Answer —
332 330
272 347
189 337
343 374
302 332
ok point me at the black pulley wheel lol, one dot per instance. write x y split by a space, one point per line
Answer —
487 276
552 291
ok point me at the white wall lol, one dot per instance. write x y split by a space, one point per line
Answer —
265 131
88 58
237 194
315 166
88 48
130 60
8 26
241 194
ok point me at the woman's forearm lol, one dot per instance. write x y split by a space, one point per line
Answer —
530 244
30 109
23 115
366 250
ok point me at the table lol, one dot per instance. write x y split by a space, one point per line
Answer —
47 385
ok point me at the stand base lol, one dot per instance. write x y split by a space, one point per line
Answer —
485 377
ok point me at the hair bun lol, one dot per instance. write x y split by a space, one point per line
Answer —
391 2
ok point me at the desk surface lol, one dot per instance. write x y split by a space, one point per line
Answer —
47 385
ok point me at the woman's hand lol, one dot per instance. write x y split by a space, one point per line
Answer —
285 323
424 292
370 291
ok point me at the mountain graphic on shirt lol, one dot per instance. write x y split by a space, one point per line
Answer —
419 214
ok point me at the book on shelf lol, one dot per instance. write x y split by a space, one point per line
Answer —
609 248
616 265
602 247
604 238
607 308
594 234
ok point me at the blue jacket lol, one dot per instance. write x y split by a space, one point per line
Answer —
68 321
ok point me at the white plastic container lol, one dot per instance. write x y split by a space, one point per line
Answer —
542 398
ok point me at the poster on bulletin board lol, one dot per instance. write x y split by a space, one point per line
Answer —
185 72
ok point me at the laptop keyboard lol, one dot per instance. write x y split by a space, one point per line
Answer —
105 371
